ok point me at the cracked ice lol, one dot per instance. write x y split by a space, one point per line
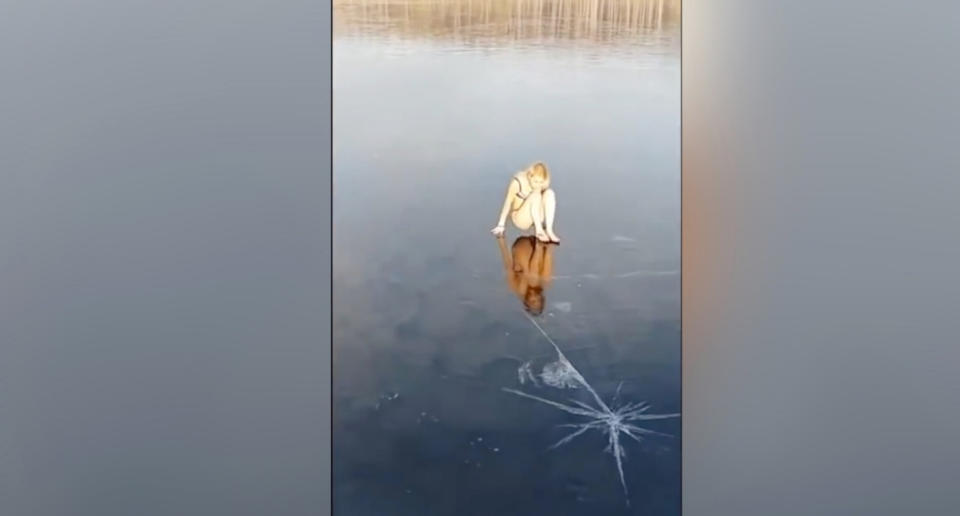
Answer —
617 421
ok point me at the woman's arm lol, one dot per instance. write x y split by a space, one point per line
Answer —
546 272
508 199
505 256
508 273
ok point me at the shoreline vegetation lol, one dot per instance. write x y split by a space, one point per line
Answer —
468 20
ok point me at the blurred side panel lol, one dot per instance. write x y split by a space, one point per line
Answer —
820 245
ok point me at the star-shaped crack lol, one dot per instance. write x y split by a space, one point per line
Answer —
614 422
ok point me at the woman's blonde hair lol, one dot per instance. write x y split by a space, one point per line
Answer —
539 169
534 300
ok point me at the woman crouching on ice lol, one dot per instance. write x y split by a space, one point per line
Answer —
530 202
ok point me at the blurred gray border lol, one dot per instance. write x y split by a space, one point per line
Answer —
165 258
820 292
819 173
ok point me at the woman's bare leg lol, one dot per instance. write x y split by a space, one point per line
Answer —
522 218
521 252
549 210
535 201
546 272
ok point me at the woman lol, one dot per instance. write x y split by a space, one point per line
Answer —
530 202
528 268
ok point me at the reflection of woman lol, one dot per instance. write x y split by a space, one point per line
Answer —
530 203
528 268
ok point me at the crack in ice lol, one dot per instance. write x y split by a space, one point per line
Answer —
625 275
611 421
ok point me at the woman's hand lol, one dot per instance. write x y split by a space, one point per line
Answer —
498 231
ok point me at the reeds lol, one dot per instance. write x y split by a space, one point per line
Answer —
519 19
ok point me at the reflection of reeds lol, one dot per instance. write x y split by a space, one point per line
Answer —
517 19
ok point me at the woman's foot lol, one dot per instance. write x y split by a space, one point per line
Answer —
543 236
553 237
